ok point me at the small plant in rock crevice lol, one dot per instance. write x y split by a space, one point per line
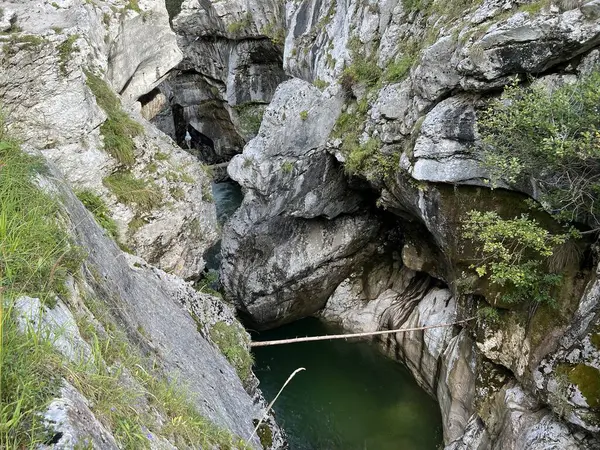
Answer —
511 252
65 52
230 339
134 191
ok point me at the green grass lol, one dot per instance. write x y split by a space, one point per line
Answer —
134 191
65 52
22 42
321 84
35 257
115 404
243 24
230 340
398 70
133 5
98 208
28 367
36 254
119 129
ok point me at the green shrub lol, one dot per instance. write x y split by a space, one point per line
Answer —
131 190
65 52
36 253
552 139
287 167
99 210
243 24
398 70
233 341
303 115
320 84
511 253
119 129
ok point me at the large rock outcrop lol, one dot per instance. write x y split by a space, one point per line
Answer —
299 230
161 316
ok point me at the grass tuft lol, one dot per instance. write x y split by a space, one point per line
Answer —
100 211
65 51
131 190
36 254
230 340
119 129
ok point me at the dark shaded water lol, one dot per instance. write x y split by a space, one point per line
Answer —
350 397
228 197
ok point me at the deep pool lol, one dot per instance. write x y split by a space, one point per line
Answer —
350 397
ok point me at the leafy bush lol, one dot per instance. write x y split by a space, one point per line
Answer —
510 252
119 129
551 138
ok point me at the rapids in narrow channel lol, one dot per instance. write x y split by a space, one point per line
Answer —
350 397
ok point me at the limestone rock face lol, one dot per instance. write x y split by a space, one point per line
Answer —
231 68
142 53
443 152
442 361
70 415
50 107
160 314
299 231
419 78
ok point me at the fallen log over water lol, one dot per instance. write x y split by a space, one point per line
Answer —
354 335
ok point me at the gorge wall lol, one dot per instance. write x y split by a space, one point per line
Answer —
357 121
356 187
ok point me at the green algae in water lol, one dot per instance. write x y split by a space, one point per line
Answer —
349 398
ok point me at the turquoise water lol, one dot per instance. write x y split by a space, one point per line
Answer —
349 398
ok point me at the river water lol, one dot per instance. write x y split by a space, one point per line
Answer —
350 397
228 197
